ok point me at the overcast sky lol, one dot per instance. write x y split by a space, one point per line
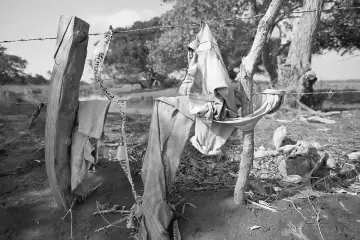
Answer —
39 18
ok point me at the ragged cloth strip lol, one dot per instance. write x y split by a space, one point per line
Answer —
207 84
169 131
210 102
87 131
97 62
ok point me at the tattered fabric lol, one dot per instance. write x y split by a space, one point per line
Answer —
89 126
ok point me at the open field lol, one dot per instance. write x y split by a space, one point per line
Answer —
28 211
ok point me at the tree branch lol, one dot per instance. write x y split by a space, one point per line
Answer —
245 76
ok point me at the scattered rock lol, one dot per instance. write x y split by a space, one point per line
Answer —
354 156
316 145
331 162
260 153
303 119
286 148
300 161
292 179
279 136
261 148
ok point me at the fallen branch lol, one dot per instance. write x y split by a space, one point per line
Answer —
112 224
316 113
200 188
320 120
114 209
262 206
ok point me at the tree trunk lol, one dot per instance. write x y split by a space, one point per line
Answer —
245 76
296 74
268 62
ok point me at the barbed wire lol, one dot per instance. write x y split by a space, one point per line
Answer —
180 25
329 93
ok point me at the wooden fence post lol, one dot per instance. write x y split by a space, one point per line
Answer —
62 105
245 76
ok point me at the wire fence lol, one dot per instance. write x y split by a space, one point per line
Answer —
328 93
180 25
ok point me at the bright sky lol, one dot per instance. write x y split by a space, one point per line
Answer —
39 18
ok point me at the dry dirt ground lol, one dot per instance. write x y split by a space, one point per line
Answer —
28 210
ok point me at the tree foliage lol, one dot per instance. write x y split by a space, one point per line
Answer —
234 36
161 51
339 29
127 58
11 66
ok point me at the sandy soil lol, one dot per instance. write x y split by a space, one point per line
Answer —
28 210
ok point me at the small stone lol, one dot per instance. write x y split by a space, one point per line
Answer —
292 179
279 136
331 162
316 145
354 156
300 162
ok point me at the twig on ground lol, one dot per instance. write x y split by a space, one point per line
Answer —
190 204
200 188
112 224
97 206
179 202
71 217
114 209
288 200
262 206
317 218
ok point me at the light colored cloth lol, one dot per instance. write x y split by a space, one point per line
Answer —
91 117
210 102
207 139
89 126
272 102
207 82
169 131
211 97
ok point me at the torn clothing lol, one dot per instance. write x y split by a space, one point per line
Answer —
207 82
208 101
273 100
211 97
88 129
169 131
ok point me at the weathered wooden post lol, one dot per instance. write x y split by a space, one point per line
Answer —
245 76
62 105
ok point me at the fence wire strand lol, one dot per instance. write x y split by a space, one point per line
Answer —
180 25
328 93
